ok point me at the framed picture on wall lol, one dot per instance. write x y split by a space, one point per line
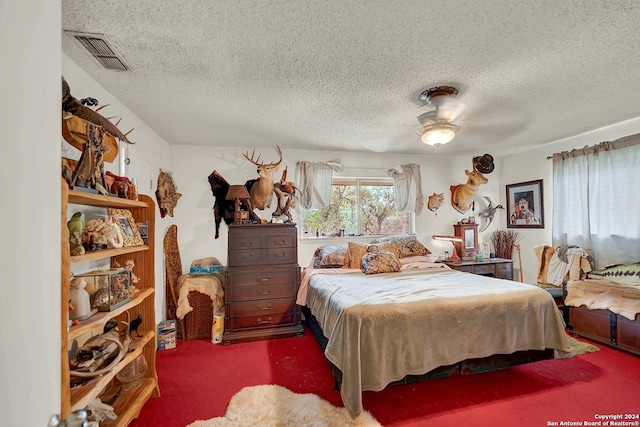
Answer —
525 205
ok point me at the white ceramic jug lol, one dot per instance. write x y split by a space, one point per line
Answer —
79 299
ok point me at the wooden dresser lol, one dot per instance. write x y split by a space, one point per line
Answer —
493 267
262 282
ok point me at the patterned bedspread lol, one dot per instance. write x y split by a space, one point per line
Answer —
383 327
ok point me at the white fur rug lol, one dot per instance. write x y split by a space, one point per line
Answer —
273 405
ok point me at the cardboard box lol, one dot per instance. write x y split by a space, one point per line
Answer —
167 335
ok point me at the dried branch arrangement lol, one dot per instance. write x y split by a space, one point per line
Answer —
503 241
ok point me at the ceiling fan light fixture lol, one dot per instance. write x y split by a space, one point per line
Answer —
439 134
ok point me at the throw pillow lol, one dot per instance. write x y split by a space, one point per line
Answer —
408 244
355 253
380 262
330 256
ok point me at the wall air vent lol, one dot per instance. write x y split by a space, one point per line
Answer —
100 49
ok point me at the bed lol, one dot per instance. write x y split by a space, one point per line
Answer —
424 320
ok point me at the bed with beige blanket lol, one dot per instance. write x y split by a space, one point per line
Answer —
379 328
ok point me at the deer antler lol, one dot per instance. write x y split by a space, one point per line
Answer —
257 161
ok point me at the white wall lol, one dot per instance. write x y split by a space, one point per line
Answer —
194 213
533 165
30 227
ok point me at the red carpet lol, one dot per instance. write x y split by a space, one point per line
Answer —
198 379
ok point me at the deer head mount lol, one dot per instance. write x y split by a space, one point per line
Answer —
261 189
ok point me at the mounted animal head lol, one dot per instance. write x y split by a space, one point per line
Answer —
261 189
462 194
166 194
434 201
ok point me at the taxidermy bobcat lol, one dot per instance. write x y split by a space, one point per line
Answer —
166 194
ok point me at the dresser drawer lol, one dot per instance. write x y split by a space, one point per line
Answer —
465 268
244 242
283 240
505 271
281 256
268 291
484 270
246 257
261 307
264 321
264 276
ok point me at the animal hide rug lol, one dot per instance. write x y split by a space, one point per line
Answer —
273 405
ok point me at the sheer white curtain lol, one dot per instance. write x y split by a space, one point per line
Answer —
595 202
314 180
408 188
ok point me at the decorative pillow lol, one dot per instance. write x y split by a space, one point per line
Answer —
355 253
330 256
389 246
380 262
408 244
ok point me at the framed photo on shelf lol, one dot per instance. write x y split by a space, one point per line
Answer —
143 228
525 205
128 227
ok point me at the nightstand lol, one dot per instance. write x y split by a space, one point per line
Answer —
493 267
263 277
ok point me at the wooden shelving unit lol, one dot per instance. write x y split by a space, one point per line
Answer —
129 403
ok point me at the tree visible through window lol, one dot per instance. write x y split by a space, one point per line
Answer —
359 207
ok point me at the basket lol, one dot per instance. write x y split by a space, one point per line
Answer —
199 321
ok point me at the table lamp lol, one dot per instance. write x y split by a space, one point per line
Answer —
237 193
452 239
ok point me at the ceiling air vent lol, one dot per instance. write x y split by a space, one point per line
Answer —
101 50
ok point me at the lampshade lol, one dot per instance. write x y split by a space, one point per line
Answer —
237 192
452 239
439 134
449 238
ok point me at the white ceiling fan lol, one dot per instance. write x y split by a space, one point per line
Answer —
438 125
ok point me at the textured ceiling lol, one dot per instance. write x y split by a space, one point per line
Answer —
347 75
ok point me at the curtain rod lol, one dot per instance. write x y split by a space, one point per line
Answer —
625 141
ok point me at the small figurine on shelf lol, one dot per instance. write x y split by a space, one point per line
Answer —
76 226
135 324
129 264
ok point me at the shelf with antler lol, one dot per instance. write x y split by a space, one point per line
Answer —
126 404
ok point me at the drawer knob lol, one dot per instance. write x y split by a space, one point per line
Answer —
246 256
263 278
279 242
261 307
281 255
263 292
246 243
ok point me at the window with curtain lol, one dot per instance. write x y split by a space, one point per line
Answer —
358 206
595 204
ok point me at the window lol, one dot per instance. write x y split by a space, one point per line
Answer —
358 207
594 206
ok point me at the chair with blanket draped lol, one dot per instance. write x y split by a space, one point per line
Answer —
197 323
558 264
